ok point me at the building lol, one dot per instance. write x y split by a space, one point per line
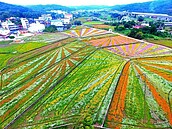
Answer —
167 23
65 20
36 27
57 11
58 24
68 16
45 17
125 18
8 25
162 17
4 33
145 24
25 23
148 14
137 27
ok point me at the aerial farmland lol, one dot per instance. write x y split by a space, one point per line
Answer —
119 82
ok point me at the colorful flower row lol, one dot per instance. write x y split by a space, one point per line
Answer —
86 32
139 50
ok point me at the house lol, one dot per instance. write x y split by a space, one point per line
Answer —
125 18
8 25
167 23
69 16
57 11
145 24
36 27
4 33
137 27
45 17
58 24
65 20
25 23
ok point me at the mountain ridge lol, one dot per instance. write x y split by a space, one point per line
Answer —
34 11
156 6
11 10
49 7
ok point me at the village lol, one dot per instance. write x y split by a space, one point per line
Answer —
15 28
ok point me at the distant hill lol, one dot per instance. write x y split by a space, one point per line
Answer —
10 10
156 6
34 11
90 7
44 8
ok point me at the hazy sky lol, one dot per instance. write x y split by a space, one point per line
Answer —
72 2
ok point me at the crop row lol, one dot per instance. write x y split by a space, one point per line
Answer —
39 51
142 101
23 95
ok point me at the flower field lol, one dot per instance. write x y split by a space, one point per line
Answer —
85 32
119 81
138 50
112 41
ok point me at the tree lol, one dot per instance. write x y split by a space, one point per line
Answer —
146 30
133 33
132 22
11 37
115 24
77 23
140 19
139 35
114 15
119 28
68 26
127 25
51 28
153 29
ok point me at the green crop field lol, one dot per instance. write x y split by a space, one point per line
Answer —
15 49
5 42
114 80
93 23
46 37
20 48
165 42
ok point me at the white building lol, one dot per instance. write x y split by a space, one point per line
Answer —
4 32
8 25
45 17
168 23
25 23
65 20
144 24
58 11
58 24
36 27
69 16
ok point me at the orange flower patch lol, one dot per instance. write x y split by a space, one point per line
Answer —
116 110
101 26
160 65
160 72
